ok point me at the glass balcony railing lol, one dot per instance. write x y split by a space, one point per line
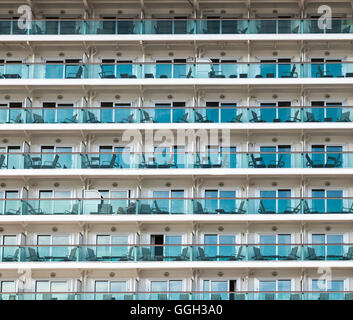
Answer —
176 206
181 295
187 70
175 26
165 159
176 252
167 114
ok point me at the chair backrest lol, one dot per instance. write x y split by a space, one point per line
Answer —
254 115
294 251
293 70
198 207
91 254
257 252
238 117
185 117
79 72
201 252
91 116
296 115
262 208
198 116
2 159
55 161
145 209
345 116
225 163
75 208
320 71
37 118
72 255
307 157
239 252
311 252
184 253
16 253
18 118
146 253
130 118
310 116
241 206
105 208
189 73
156 206
113 159
146 115
28 207
306 207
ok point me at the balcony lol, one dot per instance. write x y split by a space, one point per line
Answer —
167 114
177 252
177 206
181 295
187 70
228 158
175 27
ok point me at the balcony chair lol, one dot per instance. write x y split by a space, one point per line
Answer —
202 256
75 75
158 210
257 254
307 209
91 256
295 118
295 296
321 74
204 164
110 164
92 118
277 164
312 164
87 163
129 256
256 162
241 209
129 119
130 209
237 119
238 256
188 75
312 255
74 210
37 118
198 209
201 119
348 296
52 164
310 117
2 161
348 210
146 254
145 117
105 208
216 296
12 258
296 29
11 76
28 209
184 296
223 164
263 210
38 29
333 162
72 256
324 296
33 255
295 209
348 255
345 117
291 74
73 119
149 75
30 163
269 296
145 209
13 211
183 256
106 74
168 164
216 74
255 117
184 118
16 120
293 254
